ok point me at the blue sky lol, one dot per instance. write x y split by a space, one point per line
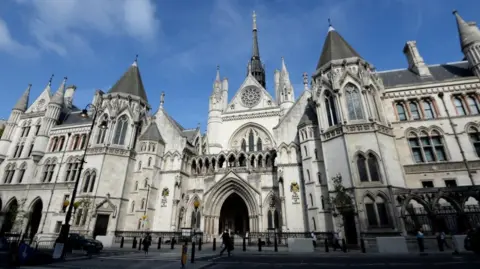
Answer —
180 42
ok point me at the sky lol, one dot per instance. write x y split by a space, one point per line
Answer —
180 43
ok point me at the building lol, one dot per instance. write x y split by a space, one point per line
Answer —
346 155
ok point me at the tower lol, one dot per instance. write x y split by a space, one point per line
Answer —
256 67
217 105
469 42
283 88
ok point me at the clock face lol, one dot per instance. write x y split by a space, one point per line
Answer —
251 96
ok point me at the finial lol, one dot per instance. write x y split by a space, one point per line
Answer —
136 60
50 80
329 22
305 80
65 78
162 99
254 16
454 11
198 125
218 67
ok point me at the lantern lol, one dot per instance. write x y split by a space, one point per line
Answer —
66 203
196 204
144 217
76 204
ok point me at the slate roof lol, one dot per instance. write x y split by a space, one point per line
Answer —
22 103
468 32
152 134
335 47
74 118
440 73
309 117
130 83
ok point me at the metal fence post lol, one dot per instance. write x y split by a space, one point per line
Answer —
159 246
214 244
122 241
259 244
192 258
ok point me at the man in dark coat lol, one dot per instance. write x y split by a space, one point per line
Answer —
227 243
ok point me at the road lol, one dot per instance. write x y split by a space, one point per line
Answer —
243 260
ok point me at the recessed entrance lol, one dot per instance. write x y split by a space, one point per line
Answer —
34 220
101 225
234 215
10 216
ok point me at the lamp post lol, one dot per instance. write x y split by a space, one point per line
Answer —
63 236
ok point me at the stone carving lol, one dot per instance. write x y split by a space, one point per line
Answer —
295 189
165 193
251 96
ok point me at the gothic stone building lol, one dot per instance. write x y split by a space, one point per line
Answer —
266 161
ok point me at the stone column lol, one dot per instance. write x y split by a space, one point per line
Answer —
284 214
174 214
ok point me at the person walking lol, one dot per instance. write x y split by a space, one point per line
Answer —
314 239
227 243
147 241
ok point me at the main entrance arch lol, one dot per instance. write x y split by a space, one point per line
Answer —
229 195
234 215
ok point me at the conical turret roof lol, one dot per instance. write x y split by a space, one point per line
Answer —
22 103
469 34
130 83
152 134
335 47
59 96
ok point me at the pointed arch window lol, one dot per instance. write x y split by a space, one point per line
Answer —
53 143
427 147
331 109
121 130
311 200
22 171
354 102
9 173
102 131
251 141
308 176
84 141
135 186
132 207
270 219
259 144
402 114
474 135
472 105
368 169
51 170
244 145
376 211
86 182
314 224
428 109
414 111
143 204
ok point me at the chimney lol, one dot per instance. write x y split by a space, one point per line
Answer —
415 60
69 91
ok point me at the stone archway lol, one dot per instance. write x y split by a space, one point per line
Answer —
11 211
34 218
234 215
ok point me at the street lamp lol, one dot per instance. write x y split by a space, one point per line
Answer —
63 236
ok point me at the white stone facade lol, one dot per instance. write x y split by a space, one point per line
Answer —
277 154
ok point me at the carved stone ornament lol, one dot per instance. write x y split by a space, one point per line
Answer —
165 192
251 96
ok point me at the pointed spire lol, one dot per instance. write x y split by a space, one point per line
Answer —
217 77
305 81
135 62
59 96
162 100
469 34
254 18
131 83
284 67
22 103
257 68
255 49
330 27
48 88
335 48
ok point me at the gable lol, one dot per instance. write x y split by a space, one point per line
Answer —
251 95
40 104
286 130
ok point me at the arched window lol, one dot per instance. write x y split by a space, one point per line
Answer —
270 219
193 220
244 145
368 169
142 205
72 170
354 102
377 213
251 141
139 165
145 183
53 143
135 186
428 109
259 144
9 173
472 105
427 148
311 200
315 151
121 131
75 142
149 161
323 202
331 109
306 152
102 131
86 182
61 143
308 176
402 115
22 170
197 220
84 141
414 111
458 102
314 224
132 207
474 135
93 178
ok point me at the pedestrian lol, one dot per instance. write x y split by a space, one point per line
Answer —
442 237
147 241
227 243
314 239
336 241
420 238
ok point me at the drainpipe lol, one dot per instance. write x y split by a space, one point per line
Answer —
455 134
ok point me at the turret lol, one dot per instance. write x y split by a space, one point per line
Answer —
469 42
285 92
256 68
52 115
12 122
217 104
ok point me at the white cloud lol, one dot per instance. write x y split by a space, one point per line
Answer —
10 45
67 26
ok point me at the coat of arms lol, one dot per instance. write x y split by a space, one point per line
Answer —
165 192
294 187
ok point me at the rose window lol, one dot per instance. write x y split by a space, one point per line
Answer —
251 97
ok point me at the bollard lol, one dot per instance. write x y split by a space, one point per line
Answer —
184 255
326 245
244 244
192 257
122 241
214 244
362 245
172 243
344 245
275 244
440 244
159 246
134 244
140 244
200 244
259 244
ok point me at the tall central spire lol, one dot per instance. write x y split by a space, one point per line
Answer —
257 69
